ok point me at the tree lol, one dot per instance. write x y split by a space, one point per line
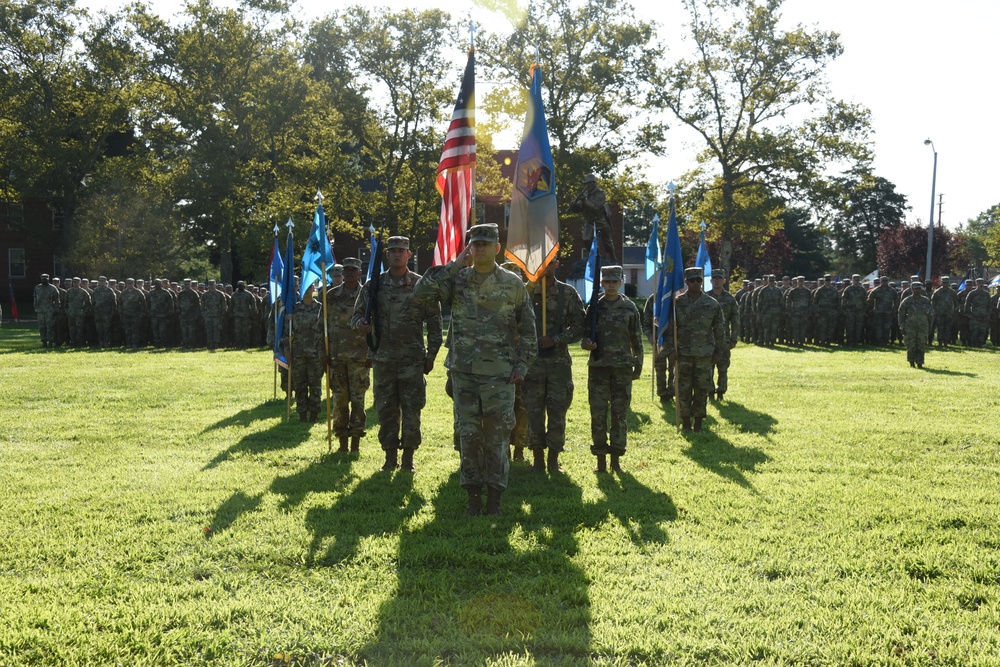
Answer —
984 229
740 92
809 245
902 251
870 206
598 62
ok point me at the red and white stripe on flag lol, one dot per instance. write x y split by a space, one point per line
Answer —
456 171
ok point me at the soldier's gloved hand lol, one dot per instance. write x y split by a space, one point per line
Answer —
515 377
545 342
637 372
428 366
588 344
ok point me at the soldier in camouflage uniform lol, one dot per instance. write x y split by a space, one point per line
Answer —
548 386
46 297
798 305
492 345
943 299
977 310
882 304
615 361
213 306
78 304
189 305
664 384
995 318
244 314
825 300
306 344
916 315
744 324
767 303
61 319
853 301
161 309
731 315
133 304
105 308
401 361
701 337
349 376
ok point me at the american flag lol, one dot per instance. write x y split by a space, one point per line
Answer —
457 170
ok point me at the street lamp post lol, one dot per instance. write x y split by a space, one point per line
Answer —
930 225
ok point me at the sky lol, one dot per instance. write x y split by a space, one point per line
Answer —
926 71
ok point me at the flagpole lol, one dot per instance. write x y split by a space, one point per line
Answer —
274 309
288 395
472 170
326 365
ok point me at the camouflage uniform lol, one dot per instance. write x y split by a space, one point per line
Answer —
664 385
767 301
105 308
349 377
161 310
731 325
995 319
399 387
244 315
46 298
306 324
61 318
977 310
825 300
701 333
548 385
213 306
882 304
133 304
916 315
189 307
492 335
78 304
798 305
610 370
853 301
943 300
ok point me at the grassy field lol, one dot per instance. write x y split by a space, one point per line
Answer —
157 509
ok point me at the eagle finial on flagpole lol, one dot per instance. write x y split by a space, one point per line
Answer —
275 230
672 188
319 196
290 224
703 226
472 33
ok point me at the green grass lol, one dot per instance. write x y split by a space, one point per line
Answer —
156 509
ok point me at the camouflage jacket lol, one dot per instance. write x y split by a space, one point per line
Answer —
213 304
78 301
401 320
798 300
731 313
768 300
244 305
916 315
977 304
346 344
619 334
700 329
825 298
307 331
943 300
853 298
189 303
160 303
105 302
882 299
133 303
46 298
564 317
492 323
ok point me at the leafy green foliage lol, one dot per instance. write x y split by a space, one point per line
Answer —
870 206
173 517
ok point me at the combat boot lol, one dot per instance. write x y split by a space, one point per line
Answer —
355 443
493 501
553 462
719 395
518 454
343 444
391 460
616 463
475 506
685 423
602 463
538 459
407 462
697 424
313 416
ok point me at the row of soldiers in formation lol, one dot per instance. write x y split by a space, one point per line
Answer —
795 312
133 313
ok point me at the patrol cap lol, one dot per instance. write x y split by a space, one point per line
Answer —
785 278
45 276
746 282
914 279
397 242
337 270
828 277
694 273
718 273
352 263
487 232
590 178
884 279
916 284
980 281
945 279
856 276
611 273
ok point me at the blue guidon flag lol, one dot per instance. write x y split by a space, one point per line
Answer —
533 234
671 276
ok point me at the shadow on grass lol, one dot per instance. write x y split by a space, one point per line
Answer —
282 435
722 457
232 509
471 588
636 421
267 410
745 419
941 371
640 510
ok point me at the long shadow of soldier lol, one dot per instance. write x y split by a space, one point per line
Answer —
280 436
640 510
723 458
507 583
378 505
745 419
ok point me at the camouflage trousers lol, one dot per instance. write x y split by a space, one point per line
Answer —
400 394
78 329
105 331
484 416
768 328
854 327
609 389
664 384
133 330
916 344
797 327
881 328
722 384
942 325
46 327
548 392
979 330
694 379
243 329
349 381
161 331
213 332
61 327
826 325
307 379
189 331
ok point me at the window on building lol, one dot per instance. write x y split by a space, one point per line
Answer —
15 262
15 216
